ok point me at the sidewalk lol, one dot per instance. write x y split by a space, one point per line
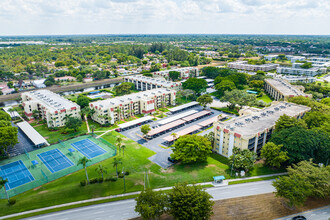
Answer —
122 195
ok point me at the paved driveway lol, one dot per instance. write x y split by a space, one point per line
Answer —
158 144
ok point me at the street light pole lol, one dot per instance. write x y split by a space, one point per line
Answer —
124 179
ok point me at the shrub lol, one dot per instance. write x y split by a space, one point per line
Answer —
100 180
111 179
121 175
11 201
83 183
126 173
93 180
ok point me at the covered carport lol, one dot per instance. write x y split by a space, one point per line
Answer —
32 134
165 128
134 123
190 130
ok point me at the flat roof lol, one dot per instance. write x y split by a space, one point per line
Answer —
145 95
12 114
166 127
32 134
259 120
182 133
176 117
51 99
197 115
135 122
208 121
151 80
178 108
284 87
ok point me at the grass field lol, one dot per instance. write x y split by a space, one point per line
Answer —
265 98
67 189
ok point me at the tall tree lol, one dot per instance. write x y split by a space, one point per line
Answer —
151 204
190 202
195 84
205 100
225 85
3 184
115 164
273 155
83 101
242 159
286 121
145 129
83 161
191 148
101 170
239 97
174 75
73 123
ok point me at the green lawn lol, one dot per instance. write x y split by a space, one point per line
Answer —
67 188
265 98
54 136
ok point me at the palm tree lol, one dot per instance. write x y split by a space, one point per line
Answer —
84 162
3 184
119 140
115 163
123 148
118 113
101 170
92 112
67 116
92 127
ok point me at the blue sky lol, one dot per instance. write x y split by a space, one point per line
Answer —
40 17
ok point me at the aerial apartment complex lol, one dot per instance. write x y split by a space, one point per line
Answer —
51 107
115 109
144 83
280 89
185 72
300 71
243 65
253 128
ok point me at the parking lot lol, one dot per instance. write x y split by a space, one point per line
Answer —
158 144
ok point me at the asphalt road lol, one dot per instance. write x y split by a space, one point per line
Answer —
319 214
125 209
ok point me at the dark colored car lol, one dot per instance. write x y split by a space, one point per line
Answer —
172 160
299 217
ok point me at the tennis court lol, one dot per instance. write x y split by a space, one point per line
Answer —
55 160
16 173
88 148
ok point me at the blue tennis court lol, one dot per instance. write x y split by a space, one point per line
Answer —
88 148
16 173
55 160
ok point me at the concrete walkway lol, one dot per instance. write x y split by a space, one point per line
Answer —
120 195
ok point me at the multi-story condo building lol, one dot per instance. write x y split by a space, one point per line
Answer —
319 59
185 72
270 57
294 79
115 109
253 128
243 65
293 59
51 107
300 71
280 89
144 83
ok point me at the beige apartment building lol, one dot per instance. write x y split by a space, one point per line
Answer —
280 89
253 128
185 72
243 65
144 83
51 106
115 109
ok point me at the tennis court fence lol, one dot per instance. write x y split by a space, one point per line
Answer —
43 175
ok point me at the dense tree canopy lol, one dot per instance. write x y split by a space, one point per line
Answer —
242 159
124 88
191 148
204 100
195 84
302 144
273 155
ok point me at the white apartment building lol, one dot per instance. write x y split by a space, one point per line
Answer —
270 57
243 65
185 72
51 106
144 83
293 59
300 71
293 79
253 128
280 89
118 108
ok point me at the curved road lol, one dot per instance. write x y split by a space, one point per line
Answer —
125 209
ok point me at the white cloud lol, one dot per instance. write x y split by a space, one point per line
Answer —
164 16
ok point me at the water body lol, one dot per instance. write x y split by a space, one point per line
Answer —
71 92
